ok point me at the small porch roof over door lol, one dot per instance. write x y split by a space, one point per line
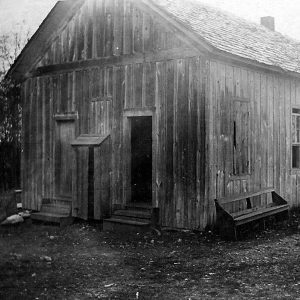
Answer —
89 140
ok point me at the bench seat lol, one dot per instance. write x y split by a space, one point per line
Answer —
227 221
261 213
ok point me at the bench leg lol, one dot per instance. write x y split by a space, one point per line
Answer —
282 217
235 233
228 232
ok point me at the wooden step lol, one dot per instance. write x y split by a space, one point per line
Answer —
57 218
138 214
139 206
125 225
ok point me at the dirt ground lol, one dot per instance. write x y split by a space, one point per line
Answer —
81 262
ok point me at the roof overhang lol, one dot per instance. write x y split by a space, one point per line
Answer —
89 140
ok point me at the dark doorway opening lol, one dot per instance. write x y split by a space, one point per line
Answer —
91 184
141 160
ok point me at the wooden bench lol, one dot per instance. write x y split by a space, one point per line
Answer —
238 210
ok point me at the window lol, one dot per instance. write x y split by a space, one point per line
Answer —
296 138
240 132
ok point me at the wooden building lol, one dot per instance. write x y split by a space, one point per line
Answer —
161 104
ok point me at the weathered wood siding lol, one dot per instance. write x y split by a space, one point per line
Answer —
178 97
49 102
266 132
218 129
180 142
95 99
105 28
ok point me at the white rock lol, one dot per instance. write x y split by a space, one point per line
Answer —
14 219
46 258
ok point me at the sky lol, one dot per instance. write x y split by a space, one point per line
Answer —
28 14
23 15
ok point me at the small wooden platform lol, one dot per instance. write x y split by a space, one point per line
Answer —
129 219
236 211
54 211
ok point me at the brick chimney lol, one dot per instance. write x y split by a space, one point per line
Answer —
268 22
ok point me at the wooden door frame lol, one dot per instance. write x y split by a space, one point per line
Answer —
59 119
128 114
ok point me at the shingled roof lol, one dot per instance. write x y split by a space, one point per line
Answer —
221 31
234 35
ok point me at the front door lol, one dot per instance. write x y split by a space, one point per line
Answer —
141 160
65 133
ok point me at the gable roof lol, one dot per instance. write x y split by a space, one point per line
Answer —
234 35
222 32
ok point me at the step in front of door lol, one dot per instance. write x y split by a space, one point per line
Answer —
118 224
135 214
56 211
55 218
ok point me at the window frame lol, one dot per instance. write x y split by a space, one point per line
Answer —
293 144
234 142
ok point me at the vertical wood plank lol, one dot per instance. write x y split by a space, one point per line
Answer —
138 84
102 167
109 27
128 86
270 149
72 38
202 170
80 36
83 185
150 84
63 93
169 207
128 32
282 143
39 143
192 142
210 146
118 100
89 31
147 33
84 116
182 71
229 128
118 27
160 136
276 135
257 109
252 121
263 134
288 162
100 28
137 30
75 183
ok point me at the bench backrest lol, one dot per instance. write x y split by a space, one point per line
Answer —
246 201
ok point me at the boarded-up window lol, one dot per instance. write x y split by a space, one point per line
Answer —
241 143
296 138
